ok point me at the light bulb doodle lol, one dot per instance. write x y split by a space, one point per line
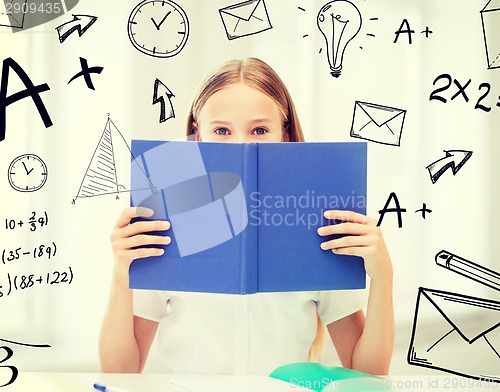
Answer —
339 21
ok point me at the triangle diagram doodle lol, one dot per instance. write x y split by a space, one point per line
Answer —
106 172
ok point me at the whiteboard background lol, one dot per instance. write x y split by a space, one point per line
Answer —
464 207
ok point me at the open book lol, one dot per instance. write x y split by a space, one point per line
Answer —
245 216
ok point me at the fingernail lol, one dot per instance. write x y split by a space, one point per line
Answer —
144 211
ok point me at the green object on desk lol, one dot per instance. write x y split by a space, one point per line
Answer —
317 377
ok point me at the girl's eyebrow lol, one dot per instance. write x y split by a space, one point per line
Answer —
261 120
220 122
254 121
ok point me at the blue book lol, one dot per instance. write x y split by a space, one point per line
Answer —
244 217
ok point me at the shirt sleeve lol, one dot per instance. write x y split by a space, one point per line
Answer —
336 304
150 304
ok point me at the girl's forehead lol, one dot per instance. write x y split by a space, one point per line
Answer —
238 89
238 98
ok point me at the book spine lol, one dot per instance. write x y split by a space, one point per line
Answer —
249 262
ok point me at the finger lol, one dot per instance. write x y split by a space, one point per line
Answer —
360 251
143 240
126 244
144 227
349 216
142 253
345 242
137 228
344 228
132 212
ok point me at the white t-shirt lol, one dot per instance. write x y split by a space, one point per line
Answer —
203 333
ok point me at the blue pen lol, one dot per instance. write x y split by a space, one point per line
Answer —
108 388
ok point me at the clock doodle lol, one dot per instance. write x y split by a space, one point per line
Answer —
158 28
27 173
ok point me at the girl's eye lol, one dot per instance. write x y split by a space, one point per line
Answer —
222 131
260 131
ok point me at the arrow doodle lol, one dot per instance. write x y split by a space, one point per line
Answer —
454 159
158 96
66 29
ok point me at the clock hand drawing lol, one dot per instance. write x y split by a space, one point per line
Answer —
161 22
25 168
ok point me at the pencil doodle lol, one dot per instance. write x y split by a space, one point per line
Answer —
461 91
80 24
21 15
454 160
392 205
369 34
160 91
27 173
339 21
11 13
490 17
9 353
103 176
34 221
405 28
427 32
245 18
31 91
397 209
23 282
25 344
468 269
424 210
377 123
85 72
12 255
158 28
450 333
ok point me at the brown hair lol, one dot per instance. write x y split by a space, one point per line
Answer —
257 74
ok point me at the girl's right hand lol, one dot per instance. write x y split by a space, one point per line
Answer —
126 237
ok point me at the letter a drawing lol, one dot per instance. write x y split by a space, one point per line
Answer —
30 91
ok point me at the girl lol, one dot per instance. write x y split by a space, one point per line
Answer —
245 101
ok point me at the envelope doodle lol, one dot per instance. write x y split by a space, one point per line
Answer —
245 18
377 123
451 340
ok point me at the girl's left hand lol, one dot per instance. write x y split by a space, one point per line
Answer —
361 237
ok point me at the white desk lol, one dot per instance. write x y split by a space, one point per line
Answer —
83 382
